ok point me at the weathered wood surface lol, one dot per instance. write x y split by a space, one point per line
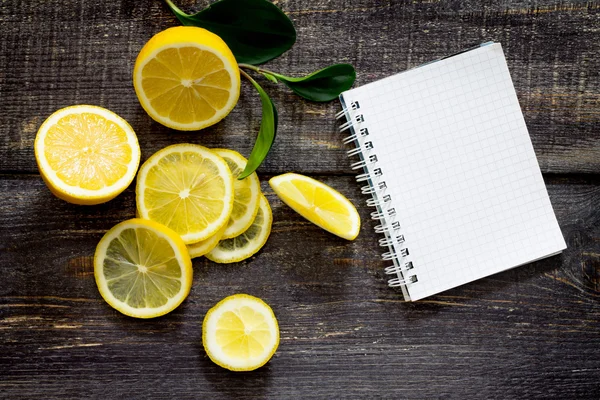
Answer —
56 53
529 332
532 332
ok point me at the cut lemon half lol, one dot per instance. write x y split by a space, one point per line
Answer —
246 194
86 154
240 333
249 242
142 268
186 78
188 188
204 246
318 203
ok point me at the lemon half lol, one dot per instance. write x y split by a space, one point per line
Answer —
86 154
186 78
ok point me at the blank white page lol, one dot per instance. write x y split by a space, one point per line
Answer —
459 166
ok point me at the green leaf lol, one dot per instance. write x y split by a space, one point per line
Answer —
256 31
323 85
266 134
269 77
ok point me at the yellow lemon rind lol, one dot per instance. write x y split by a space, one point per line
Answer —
202 247
239 228
74 194
222 258
181 253
208 319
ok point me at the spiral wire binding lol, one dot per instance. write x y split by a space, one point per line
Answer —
386 214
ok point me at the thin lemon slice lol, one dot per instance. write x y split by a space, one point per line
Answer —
142 268
248 243
186 78
86 154
246 194
240 333
188 188
318 203
204 246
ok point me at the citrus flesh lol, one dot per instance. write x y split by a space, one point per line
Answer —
249 242
318 203
240 333
188 188
186 78
246 194
142 268
86 154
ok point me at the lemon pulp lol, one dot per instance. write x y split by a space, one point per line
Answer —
186 78
187 188
86 154
240 333
319 203
142 269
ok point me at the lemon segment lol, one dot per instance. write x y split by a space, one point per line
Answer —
318 203
186 78
240 333
204 246
246 194
188 188
249 242
142 268
86 154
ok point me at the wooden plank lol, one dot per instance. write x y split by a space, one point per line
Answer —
532 332
56 53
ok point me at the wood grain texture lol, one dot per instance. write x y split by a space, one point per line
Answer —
56 53
532 332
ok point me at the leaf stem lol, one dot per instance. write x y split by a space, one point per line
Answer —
248 76
174 7
255 68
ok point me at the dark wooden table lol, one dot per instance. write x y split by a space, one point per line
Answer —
532 332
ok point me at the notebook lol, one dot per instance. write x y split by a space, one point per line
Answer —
450 169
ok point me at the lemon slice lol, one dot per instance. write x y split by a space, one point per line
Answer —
248 243
318 203
86 154
246 194
142 268
186 78
240 333
204 246
188 188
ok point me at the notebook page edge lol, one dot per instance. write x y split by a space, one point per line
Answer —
349 114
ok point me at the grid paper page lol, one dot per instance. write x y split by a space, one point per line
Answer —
459 166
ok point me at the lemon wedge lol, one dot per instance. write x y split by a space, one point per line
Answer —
186 78
318 203
249 242
240 333
246 194
188 188
86 154
142 268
